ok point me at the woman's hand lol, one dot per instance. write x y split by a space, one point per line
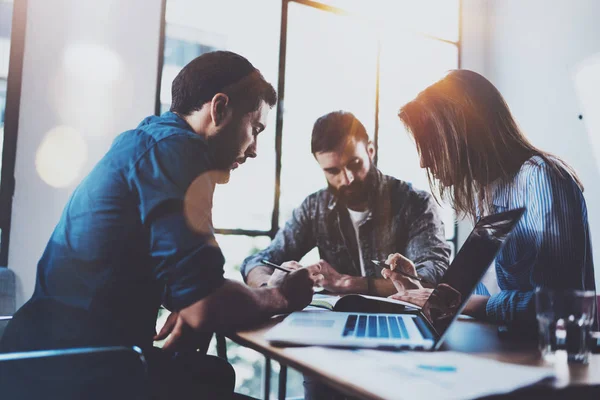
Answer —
418 297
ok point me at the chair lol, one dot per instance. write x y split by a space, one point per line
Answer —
597 326
79 373
4 319
7 297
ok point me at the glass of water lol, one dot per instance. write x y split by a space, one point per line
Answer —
565 318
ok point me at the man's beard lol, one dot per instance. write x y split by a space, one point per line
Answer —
357 193
223 149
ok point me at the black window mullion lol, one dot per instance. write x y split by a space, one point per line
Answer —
279 117
11 123
377 80
242 232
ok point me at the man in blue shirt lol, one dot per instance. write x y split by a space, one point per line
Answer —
137 233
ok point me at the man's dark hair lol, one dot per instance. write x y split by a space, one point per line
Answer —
335 129
220 72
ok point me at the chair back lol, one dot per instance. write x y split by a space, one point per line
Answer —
8 303
598 312
79 373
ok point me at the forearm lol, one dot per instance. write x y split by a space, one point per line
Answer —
291 242
259 276
512 306
476 306
233 306
382 287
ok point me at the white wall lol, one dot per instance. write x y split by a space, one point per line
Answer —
90 67
474 57
531 49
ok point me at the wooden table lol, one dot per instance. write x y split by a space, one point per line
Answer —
465 335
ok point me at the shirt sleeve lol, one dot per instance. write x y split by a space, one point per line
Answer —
556 224
174 191
426 244
292 241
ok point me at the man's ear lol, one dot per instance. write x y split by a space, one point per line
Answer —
371 150
220 110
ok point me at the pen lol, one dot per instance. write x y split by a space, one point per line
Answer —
270 264
383 264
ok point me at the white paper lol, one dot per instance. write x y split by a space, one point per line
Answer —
420 375
333 299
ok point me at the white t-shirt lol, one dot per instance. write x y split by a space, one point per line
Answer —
357 218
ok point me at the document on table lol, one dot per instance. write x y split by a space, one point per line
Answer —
420 375
358 303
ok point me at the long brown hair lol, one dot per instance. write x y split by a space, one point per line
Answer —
468 139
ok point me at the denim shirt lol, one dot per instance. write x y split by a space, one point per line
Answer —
124 244
401 220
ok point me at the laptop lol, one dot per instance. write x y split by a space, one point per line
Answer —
415 328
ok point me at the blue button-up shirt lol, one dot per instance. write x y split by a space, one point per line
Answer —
124 245
549 247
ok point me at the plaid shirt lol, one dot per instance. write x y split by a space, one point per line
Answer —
401 220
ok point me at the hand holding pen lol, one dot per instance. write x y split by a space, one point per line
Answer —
279 267
397 270
289 267
401 271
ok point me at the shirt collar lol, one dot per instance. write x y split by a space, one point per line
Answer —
170 116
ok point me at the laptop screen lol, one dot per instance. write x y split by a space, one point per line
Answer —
470 264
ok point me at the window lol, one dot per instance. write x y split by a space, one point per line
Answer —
9 108
365 57
6 8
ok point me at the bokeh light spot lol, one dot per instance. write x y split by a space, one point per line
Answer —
61 156
92 63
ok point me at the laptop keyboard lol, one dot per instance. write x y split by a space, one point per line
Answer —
375 326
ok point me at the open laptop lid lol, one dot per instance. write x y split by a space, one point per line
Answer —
464 273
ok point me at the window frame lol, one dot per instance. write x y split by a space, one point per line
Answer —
11 123
281 94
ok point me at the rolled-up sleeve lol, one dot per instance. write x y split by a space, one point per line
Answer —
426 245
511 306
174 193
291 243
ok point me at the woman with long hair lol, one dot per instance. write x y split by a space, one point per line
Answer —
477 157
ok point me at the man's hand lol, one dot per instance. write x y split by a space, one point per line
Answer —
297 287
330 279
167 328
278 276
401 283
180 337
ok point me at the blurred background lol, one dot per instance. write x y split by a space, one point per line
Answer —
75 73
